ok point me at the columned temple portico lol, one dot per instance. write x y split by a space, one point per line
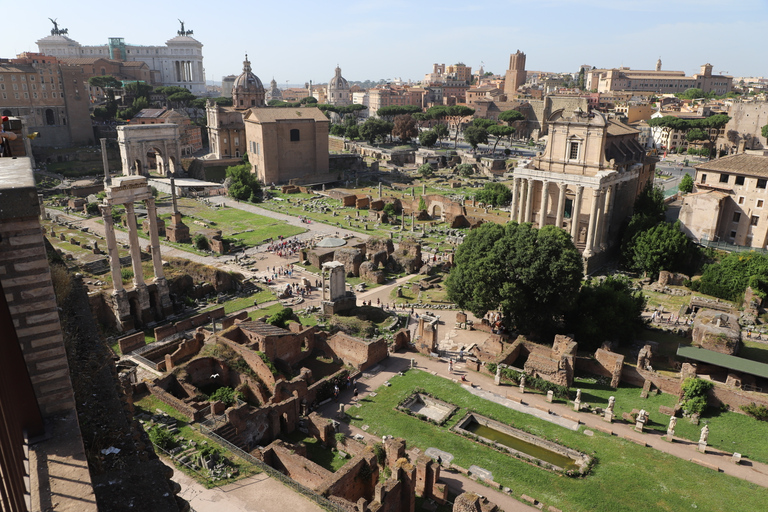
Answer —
585 182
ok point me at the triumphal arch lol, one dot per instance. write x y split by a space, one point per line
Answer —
137 307
149 147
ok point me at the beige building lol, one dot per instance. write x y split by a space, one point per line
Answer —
49 96
657 81
338 90
288 144
729 202
586 181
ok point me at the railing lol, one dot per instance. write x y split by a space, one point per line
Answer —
725 246
269 470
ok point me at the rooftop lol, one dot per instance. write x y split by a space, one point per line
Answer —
754 165
738 364
264 329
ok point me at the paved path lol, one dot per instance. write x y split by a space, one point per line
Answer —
257 493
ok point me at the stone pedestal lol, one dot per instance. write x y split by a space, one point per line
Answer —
550 396
736 458
497 378
639 426
165 296
702 448
522 388
577 405
608 416
670 438
122 309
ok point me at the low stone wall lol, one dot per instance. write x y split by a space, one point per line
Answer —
166 331
253 360
167 398
130 343
300 469
348 482
357 352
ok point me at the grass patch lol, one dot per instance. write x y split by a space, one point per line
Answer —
268 311
239 303
625 474
316 452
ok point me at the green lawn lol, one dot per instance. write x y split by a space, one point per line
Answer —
625 475
238 303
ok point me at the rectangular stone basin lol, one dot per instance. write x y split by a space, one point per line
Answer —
522 444
432 408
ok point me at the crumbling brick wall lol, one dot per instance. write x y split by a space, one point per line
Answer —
357 352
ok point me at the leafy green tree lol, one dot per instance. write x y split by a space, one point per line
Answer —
608 309
441 131
353 132
465 170
338 130
475 135
764 131
499 132
510 116
483 123
309 100
405 128
696 134
650 202
374 128
686 184
389 209
692 94
729 278
391 112
529 274
241 183
181 99
222 101
425 170
280 318
422 204
428 138
496 194
695 392
201 242
104 82
456 116
226 395
662 247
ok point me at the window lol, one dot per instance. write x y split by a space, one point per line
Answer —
703 178
295 137
754 220
761 183
49 117
741 199
237 142
736 217
733 234
573 151
724 178
759 203
258 148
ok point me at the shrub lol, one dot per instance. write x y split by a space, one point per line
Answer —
759 412
267 362
226 395
126 274
161 437
280 318
340 437
92 208
695 395
389 209
425 170
201 242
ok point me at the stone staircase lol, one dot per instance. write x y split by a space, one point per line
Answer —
228 433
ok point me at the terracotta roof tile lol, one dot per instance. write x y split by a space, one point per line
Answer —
753 165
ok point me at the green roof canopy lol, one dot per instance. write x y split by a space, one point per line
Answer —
738 364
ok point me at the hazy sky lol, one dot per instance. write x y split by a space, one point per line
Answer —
298 41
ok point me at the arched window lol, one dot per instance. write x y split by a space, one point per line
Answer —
7 112
49 118
295 137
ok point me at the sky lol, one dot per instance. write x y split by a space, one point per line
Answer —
301 41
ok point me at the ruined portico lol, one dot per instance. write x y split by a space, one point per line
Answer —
586 181
141 308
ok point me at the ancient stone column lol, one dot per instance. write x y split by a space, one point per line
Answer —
133 237
575 214
105 162
157 262
114 257
561 205
521 205
608 213
592 219
544 204
529 201
515 199
379 190
597 243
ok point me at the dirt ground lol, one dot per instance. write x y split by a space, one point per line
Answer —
257 493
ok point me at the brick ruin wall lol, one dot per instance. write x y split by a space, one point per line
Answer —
166 331
356 352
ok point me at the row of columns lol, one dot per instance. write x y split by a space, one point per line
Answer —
185 71
597 228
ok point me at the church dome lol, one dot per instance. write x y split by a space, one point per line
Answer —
247 80
338 81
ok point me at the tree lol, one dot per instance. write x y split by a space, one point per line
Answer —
422 204
428 138
309 100
441 131
510 116
496 194
500 131
405 128
181 98
475 135
662 247
764 131
483 123
280 318
201 242
686 184
338 130
241 183
392 111
695 392
456 116
530 275
465 170
425 170
696 134
374 128
692 94
608 309
104 82
729 278
389 209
